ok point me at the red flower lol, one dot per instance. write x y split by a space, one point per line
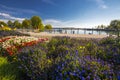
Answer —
3 40
9 50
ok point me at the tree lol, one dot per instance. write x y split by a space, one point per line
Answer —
101 27
48 27
17 24
98 27
41 27
10 24
26 23
115 24
2 24
36 22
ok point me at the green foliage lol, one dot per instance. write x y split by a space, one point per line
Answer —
17 24
8 71
36 22
108 40
5 28
2 24
41 27
26 23
101 26
115 24
10 24
48 27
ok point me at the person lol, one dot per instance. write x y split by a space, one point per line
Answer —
90 33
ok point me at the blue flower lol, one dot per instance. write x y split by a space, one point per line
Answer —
119 77
74 74
82 78
76 52
62 64
83 71
67 78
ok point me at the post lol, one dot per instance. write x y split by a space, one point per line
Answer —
92 30
65 31
78 31
71 30
84 31
54 31
99 32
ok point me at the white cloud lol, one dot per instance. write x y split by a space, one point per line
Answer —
5 16
104 7
75 23
101 4
53 22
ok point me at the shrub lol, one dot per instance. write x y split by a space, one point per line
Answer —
11 33
108 40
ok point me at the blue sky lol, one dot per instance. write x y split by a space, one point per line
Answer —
62 13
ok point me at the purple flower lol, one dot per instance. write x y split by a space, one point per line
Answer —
88 77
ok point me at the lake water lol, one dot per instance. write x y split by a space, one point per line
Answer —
79 32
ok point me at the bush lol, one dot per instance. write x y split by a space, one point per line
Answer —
108 40
11 33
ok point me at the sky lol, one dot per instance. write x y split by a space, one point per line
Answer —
62 13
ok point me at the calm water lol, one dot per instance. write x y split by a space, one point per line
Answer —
79 32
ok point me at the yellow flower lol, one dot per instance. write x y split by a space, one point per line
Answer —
82 47
14 58
49 61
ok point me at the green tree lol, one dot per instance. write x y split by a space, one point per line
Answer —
101 26
48 27
10 24
98 27
17 24
2 24
41 27
37 23
26 23
115 24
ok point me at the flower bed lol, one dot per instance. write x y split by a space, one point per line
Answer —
65 58
70 59
13 44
